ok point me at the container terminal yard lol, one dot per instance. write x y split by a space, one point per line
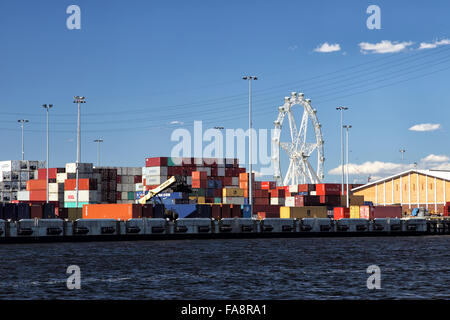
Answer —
179 198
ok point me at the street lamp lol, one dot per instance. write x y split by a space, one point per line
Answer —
346 165
402 151
47 108
22 122
98 150
78 100
342 109
250 180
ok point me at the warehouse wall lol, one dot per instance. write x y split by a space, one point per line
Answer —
415 189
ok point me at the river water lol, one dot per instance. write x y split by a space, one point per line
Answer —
313 268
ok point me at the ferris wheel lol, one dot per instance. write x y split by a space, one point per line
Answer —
298 149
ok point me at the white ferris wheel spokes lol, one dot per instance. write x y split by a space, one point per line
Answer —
298 149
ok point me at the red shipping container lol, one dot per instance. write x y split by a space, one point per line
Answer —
36 211
227 181
385 212
304 201
119 179
261 215
267 185
226 211
147 211
137 179
38 195
261 201
364 212
323 189
156 162
216 212
42 173
277 193
236 211
261 193
36 185
196 184
272 214
341 213
306 187
83 184
332 201
199 175
119 195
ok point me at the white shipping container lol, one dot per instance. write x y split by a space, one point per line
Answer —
233 200
312 193
124 196
235 181
5 176
154 180
23 195
10 165
56 196
83 196
82 167
56 187
277 201
154 171
137 171
61 177
293 188
189 180
138 186
119 187
127 179
289 202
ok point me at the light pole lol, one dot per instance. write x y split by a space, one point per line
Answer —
79 100
402 151
98 150
346 165
342 109
22 122
47 108
250 180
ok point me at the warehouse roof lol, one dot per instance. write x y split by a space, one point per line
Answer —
441 174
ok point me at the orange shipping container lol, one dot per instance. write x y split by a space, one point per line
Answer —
112 211
36 185
199 175
83 184
38 195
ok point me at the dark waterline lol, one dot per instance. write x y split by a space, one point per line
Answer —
318 268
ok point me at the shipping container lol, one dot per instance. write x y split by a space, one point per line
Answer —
303 212
341 213
112 211
354 212
324 189
156 162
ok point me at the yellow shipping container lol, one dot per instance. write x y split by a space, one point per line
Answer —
232 192
192 198
303 212
201 200
354 212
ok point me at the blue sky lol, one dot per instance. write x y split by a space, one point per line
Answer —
145 64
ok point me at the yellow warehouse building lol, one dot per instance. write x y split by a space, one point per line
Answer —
414 188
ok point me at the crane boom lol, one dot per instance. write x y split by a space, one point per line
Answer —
166 184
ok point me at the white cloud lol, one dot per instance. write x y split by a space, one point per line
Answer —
378 169
432 45
176 122
425 127
325 47
435 158
384 46
373 167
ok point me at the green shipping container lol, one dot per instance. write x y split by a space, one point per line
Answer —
71 204
217 200
74 213
131 195
198 192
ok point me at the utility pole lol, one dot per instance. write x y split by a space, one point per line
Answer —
79 100
346 165
22 122
342 109
98 150
47 107
250 180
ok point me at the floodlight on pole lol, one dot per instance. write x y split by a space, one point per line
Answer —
347 127
78 100
342 109
22 122
402 151
47 108
250 180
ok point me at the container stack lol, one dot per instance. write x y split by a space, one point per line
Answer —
14 175
107 184
129 184
87 185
